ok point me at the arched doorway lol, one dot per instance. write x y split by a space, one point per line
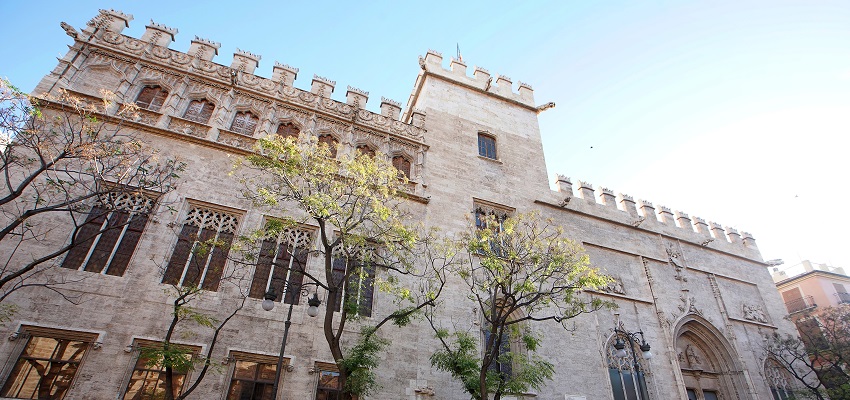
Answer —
707 362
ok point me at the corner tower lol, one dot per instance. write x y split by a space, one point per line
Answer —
483 137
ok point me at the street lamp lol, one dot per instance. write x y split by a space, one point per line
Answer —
620 352
268 304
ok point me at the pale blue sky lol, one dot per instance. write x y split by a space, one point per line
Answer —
735 111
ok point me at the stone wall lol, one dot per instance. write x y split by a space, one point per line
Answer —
671 270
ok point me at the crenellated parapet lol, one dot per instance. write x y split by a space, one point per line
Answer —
158 34
643 214
502 86
106 45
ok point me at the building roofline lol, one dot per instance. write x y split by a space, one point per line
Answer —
810 273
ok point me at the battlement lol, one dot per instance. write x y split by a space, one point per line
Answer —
645 215
105 31
501 86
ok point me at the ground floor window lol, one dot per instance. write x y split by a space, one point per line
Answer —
329 386
253 377
48 363
147 382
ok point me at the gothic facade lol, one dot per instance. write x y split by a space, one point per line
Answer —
699 292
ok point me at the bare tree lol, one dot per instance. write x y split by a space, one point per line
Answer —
520 270
819 358
366 241
68 169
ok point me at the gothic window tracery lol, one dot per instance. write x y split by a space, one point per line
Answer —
199 111
202 247
402 164
245 122
331 142
358 290
151 98
288 129
282 261
778 380
107 240
627 374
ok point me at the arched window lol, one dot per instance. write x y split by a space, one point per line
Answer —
151 98
244 122
503 363
627 374
778 380
288 129
402 165
199 111
331 142
366 150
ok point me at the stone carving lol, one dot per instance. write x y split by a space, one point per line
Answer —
425 391
69 30
236 140
688 305
188 127
674 259
146 117
132 202
754 313
615 286
211 219
690 358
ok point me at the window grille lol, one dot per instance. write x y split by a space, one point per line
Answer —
288 129
402 165
199 111
244 122
487 146
151 98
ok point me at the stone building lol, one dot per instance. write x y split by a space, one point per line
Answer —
698 291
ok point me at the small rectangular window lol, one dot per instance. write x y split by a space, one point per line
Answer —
487 146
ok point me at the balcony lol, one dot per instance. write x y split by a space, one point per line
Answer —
843 297
801 304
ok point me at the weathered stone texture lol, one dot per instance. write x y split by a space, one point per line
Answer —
670 276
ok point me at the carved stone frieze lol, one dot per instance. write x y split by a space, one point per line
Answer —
159 76
236 140
364 136
285 112
615 286
401 146
258 104
324 124
218 76
186 127
147 117
754 313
